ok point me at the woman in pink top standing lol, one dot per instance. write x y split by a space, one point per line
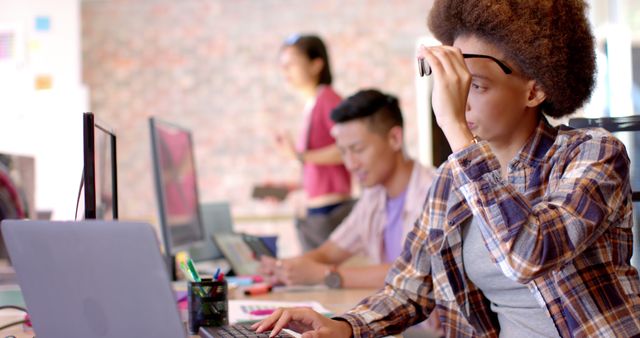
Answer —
326 182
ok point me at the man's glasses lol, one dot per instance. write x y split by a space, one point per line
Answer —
425 70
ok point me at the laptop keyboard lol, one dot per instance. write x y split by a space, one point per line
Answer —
237 330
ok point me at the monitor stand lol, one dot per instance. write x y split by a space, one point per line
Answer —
172 267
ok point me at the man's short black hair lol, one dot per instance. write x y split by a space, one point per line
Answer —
381 110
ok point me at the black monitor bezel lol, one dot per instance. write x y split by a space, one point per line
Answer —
89 172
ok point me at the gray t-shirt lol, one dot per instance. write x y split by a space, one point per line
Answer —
519 314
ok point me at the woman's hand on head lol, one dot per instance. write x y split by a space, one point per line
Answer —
451 82
305 321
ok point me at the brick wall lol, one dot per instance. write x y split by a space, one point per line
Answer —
211 66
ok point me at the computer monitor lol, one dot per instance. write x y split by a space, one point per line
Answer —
216 218
99 182
176 188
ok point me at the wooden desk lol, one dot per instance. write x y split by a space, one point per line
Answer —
337 301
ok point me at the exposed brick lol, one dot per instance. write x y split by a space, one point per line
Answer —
211 66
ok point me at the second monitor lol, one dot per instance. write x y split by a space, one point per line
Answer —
176 188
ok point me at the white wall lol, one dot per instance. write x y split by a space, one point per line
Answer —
46 124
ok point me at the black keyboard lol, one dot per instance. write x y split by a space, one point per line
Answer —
237 330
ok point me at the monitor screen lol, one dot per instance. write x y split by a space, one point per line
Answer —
176 186
100 188
216 218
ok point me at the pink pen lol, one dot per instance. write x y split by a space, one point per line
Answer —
262 312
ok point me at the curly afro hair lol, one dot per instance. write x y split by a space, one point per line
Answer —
549 41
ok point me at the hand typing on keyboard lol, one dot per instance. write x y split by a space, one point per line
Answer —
305 321
238 331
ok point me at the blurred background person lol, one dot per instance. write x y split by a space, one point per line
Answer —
369 133
326 182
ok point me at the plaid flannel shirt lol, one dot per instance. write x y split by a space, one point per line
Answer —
561 224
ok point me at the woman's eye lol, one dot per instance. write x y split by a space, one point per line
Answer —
477 87
358 150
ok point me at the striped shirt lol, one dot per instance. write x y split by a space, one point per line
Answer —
560 224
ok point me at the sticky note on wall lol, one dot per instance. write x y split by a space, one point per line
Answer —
43 23
43 82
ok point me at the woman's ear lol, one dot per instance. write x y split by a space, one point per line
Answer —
536 94
316 66
395 137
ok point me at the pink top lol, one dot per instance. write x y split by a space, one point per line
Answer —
319 180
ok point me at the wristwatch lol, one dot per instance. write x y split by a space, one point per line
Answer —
332 278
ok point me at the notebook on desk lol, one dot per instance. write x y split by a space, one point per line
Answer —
93 279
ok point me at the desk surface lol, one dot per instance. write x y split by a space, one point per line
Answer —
336 301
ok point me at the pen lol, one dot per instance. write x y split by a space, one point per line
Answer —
186 272
194 272
259 289
215 277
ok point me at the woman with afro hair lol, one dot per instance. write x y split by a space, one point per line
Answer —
526 231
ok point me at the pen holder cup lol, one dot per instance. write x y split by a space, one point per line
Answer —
208 304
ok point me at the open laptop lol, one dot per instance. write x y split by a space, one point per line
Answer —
242 251
93 279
